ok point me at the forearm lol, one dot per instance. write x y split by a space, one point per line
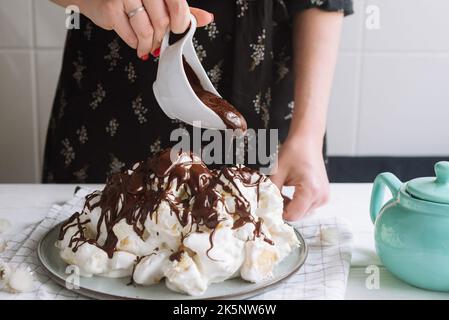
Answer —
316 35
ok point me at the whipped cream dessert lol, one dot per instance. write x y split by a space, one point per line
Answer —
182 223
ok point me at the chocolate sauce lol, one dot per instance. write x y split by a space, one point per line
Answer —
78 238
226 111
134 195
243 209
176 256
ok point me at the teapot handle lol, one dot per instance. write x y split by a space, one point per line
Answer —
383 180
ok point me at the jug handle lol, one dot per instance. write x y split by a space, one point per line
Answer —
383 180
189 34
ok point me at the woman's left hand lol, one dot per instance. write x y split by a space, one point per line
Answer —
301 164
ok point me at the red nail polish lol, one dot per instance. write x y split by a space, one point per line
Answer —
156 52
144 57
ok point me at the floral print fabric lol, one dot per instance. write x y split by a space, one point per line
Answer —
105 116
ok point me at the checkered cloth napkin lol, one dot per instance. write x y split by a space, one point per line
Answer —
323 276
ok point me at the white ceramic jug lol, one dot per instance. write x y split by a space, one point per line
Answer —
172 88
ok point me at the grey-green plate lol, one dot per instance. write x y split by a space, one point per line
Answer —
117 288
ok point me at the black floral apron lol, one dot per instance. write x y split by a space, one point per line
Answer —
105 116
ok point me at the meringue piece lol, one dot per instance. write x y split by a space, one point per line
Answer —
128 240
21 280
260 260
67 255
220 261
89 258
284 238
245 232
4 225
329 235
184 276
165 225
150 269
284 247
270 209
271 203
120 265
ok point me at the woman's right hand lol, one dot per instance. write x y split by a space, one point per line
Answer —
146 29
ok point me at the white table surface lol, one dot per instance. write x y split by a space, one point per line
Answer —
25 204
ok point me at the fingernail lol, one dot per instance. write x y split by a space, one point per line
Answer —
144 57
212 17
156 52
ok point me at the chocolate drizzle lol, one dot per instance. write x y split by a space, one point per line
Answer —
226 111
242 209
176 256
135 195
79 237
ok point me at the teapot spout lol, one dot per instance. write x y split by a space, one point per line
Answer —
383 180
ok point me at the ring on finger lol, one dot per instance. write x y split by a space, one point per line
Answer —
132 13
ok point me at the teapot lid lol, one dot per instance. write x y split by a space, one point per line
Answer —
434 189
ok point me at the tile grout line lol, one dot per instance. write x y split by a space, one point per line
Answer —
34 88
359 94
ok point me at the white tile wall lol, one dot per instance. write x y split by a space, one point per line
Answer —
389 97
342 114
48 65
398 102
30 59
410 25
16 33
17 124
406 113
352 33
49 25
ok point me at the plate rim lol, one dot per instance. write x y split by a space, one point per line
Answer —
102 295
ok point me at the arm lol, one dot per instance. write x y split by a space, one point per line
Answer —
316 37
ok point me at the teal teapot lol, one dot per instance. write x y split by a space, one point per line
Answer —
412 229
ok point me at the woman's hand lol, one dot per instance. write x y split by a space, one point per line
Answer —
301 164
146 29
